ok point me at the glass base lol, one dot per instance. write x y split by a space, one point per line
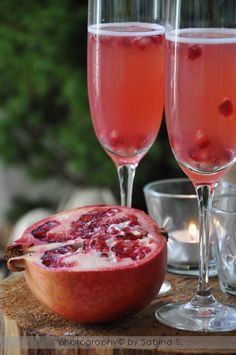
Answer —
165 288
228 287
190 270
216 317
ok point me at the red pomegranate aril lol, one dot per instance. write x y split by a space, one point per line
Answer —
194 52
98 249
124 249
97 226
79 233
70 248
115 140
51 261
117 221
50 257
79 229
202 139
143 42
102 246
78 224
58 237
226 108
211 158
133 219
130 236
121 250
41 231
112 230
156 39
86 218
89 245
98 243
104 255
111 212
127 230
198 155
142 252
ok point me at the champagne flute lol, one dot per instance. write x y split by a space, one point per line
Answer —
125 80
201 123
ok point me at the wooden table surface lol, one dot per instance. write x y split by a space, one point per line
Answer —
22 315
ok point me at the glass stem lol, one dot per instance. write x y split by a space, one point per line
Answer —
205 197
126 174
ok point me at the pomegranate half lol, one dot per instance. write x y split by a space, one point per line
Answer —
92 264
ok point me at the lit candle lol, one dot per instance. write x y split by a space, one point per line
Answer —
183 246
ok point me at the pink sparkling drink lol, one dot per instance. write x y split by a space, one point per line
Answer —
125 84
201 118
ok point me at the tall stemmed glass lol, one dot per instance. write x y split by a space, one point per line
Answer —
125 80
201 123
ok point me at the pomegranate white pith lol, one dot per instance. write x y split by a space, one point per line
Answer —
92 264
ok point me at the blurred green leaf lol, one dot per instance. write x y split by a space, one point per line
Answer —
45 124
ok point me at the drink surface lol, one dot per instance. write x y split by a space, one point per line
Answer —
201 100
125 83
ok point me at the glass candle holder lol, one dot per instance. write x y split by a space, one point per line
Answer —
173 204
224 232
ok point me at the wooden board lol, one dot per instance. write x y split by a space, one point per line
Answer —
22 315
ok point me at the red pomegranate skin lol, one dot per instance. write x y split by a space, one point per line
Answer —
99 295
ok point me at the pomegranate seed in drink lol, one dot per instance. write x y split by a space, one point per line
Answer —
226 108
194 52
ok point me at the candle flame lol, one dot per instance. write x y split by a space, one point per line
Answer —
192 229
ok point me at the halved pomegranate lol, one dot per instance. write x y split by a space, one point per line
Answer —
92 264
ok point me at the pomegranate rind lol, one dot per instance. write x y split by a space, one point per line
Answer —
96 295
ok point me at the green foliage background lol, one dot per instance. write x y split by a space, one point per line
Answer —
45 124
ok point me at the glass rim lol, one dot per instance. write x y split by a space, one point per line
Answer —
148 188
222 210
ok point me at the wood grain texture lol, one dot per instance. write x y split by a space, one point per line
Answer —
22 315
